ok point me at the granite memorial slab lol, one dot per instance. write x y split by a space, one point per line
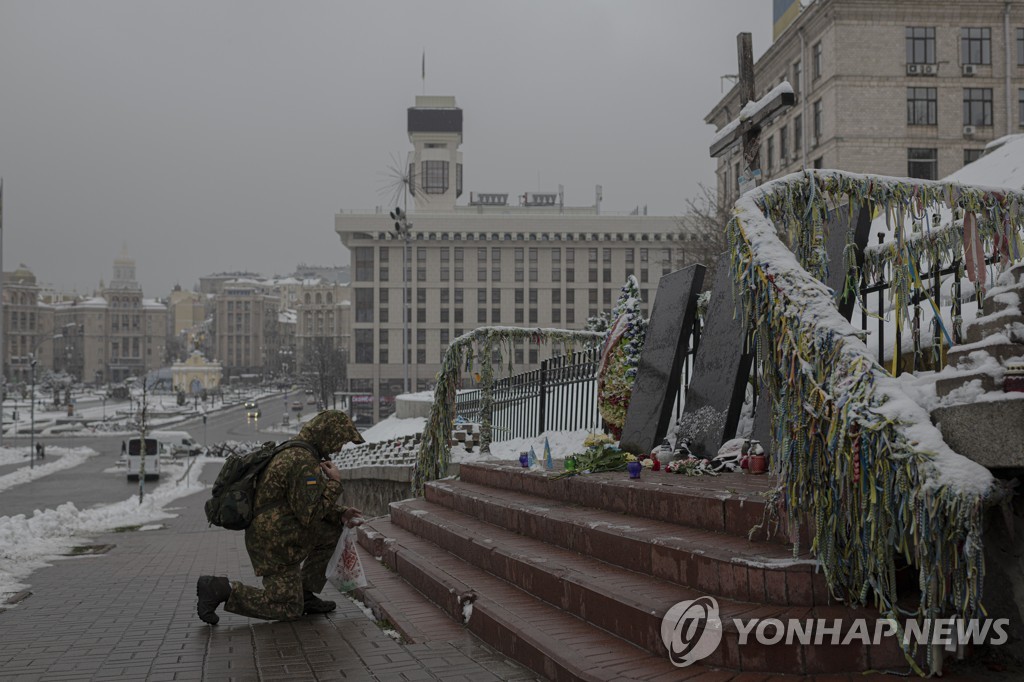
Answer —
661 361
721 366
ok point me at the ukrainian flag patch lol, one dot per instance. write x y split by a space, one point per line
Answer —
311 480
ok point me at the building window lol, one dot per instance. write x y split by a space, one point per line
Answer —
556 297
495 315
556 265
797 74
770 162
798 133
975 45
481 315
533 356
570 265
382 257
435 177
592 261
519 315
920 45
445 264
819 162
977 106
783 145
533 265
533 316
481 297
421 356
459 262
816 129
364 346
556 316
382 356
923 163
1020 107
519 264
972 155
364 263
495 264
458 180
421 264
364 304
816 60
922 106
444 315
570 316
1020 47
607 296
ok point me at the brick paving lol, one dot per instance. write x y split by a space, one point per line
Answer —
129 614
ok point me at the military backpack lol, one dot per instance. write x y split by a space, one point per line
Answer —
232 505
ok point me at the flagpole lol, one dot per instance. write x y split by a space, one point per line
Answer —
423 64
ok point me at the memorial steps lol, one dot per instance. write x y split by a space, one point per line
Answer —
572 576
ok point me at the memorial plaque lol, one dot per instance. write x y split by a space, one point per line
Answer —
661 361
720 367
839 226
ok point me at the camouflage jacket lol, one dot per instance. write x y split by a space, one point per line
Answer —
293 496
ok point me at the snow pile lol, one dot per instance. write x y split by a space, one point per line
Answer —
57 459
29 543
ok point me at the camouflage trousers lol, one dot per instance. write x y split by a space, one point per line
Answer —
281 597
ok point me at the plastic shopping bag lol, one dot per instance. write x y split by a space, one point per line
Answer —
344 570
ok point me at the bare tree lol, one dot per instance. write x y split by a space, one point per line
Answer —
702 232
324 369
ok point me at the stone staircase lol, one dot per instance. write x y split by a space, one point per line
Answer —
572 576
988 431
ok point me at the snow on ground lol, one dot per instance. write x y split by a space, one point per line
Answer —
393 427
57 459
30 543
562 443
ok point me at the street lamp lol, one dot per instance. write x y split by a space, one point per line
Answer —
32 401
403 228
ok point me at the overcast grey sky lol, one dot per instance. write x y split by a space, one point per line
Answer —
206 135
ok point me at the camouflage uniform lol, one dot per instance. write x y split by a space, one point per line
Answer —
297 525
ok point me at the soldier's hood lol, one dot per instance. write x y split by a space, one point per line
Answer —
329 430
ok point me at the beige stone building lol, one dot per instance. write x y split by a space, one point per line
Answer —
244 325
911 88
528 262
28 326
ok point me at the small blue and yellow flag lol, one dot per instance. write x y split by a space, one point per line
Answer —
311 480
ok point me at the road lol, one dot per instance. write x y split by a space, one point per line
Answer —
90 484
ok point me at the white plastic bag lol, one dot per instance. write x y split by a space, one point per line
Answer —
345 570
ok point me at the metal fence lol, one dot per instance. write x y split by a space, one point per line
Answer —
560 396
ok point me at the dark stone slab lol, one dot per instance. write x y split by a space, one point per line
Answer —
720 366
839 226
657 381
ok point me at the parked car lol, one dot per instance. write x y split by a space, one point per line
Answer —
177 443
252 410
154 449
297 406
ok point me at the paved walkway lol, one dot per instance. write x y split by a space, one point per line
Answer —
129 614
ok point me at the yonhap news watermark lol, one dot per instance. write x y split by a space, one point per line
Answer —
692 630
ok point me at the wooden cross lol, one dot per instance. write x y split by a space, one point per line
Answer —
749 130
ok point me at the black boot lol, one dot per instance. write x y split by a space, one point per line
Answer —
313 604
212 592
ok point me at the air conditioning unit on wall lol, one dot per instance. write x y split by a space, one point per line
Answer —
969 69
913 69
929 69
970 130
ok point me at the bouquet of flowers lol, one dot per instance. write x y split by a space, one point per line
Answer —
690 466
601 455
